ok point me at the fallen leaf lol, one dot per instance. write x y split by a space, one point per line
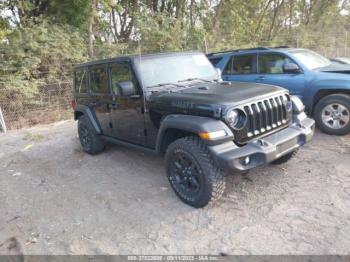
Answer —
27 147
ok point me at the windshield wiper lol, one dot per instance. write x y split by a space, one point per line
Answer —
165 84
162 84
194 78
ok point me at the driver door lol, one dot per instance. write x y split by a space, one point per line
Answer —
270 69
127 111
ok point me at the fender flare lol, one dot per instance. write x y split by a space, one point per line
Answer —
90 115
311 101
195 125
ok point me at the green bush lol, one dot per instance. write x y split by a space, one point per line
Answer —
35 57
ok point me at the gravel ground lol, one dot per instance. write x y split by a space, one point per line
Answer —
55 199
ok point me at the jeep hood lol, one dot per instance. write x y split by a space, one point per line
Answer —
211 97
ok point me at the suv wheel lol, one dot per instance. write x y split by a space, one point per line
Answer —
192 173
332 114
285 158
89 140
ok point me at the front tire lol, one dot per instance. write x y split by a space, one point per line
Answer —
89 139
332 114
192 173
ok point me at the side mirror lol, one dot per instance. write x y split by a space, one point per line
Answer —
127 88
291 68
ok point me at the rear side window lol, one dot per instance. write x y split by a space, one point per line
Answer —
215 60
272 63
98 79
243 64
80 81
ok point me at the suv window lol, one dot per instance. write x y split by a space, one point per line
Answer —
120 72
242 64
80 81
215 60
98 79
272 63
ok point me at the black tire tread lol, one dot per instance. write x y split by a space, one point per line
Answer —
200 151
97 144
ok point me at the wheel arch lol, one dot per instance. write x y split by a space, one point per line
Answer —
326 92
174 127
82 110
170 135
78 114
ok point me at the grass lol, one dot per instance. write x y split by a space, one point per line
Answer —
33 137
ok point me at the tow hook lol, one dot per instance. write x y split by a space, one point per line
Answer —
262 142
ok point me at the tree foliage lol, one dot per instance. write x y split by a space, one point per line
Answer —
41 39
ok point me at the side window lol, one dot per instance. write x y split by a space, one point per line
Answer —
80 81
121 72
214 61
272 63
242 64
98 79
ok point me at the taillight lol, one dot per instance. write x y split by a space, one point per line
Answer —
74 103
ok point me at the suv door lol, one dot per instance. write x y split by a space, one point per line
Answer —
100 96
127 113
241 68
270 68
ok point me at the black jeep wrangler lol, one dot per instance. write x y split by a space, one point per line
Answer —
176 104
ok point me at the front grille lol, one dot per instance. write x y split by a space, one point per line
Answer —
264 116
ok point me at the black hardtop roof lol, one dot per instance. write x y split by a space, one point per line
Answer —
136 56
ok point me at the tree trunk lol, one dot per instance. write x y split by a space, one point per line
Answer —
115 26
191 13
91 29
276 10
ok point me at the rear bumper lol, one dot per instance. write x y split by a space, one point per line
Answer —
262 151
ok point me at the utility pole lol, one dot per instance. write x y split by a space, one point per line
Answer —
346 44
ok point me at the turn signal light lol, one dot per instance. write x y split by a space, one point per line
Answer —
212 135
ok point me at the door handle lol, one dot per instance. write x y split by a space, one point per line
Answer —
261 78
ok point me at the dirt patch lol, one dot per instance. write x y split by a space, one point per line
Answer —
57 200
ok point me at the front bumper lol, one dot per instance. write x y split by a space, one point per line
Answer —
231 157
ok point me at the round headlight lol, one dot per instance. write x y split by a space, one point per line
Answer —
236 118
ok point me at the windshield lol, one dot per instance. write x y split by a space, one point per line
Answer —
311 59
172 69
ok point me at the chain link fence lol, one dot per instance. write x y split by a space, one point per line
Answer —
51 103
52 98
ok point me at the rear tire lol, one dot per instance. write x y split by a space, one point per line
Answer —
89 139
192 173
285 158
332 114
